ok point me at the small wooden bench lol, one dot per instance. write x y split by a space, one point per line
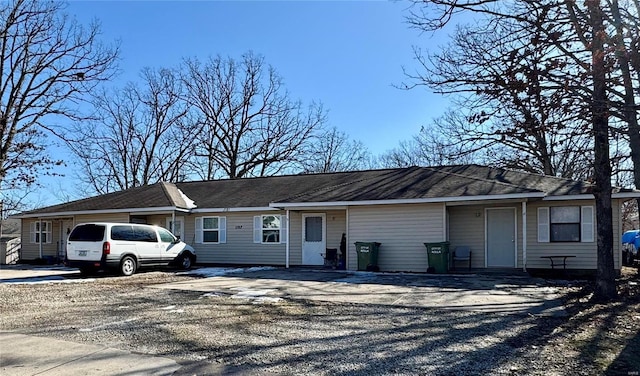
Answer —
558 257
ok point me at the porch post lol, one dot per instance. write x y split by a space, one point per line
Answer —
524 236
40 237
346 248
173 223
287 245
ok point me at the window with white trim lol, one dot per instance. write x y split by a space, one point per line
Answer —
565 224
35 231
211 230
268 228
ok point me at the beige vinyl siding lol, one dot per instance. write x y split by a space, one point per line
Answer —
239 248
31 251
586 252
295 238
113 217
402 231
336 225
466 228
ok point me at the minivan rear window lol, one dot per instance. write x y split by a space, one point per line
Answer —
87 233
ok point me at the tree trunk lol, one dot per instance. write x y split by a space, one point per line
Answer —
605 279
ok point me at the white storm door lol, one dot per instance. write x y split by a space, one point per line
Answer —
314 239
178 230
65 228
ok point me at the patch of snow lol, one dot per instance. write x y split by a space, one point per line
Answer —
190 203
168 308
250 293
217 272
266 299
212 295
257 296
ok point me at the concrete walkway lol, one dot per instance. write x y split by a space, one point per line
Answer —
16 273
23 355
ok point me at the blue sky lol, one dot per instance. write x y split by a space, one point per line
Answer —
345 54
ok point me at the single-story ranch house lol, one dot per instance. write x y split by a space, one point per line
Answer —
509 219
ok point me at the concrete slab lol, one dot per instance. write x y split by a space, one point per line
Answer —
16 273
475 293
29 355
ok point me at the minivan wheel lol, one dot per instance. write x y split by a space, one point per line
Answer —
127 266
185 262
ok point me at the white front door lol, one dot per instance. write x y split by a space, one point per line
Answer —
314 239
501 238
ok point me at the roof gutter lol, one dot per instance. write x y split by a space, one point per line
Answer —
591 197
225 210
405 201
103 211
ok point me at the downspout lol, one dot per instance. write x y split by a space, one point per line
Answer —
287 245
346 248
524 236
40 236
444 223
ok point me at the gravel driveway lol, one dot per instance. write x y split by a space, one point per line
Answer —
218 332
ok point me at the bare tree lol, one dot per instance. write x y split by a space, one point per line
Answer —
509 103
143 134
250 126
439 143
49 64
586 37
333 151
625 39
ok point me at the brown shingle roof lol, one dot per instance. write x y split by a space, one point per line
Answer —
443 182
388 184
148 196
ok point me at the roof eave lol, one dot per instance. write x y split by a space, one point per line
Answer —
101 211
239 209
590 196
285 205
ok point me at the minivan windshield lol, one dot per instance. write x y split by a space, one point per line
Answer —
87 233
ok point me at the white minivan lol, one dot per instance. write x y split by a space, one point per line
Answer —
125 247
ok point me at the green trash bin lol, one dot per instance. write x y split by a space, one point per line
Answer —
438 255
368 256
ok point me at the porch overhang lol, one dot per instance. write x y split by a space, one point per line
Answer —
138 211
462 200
